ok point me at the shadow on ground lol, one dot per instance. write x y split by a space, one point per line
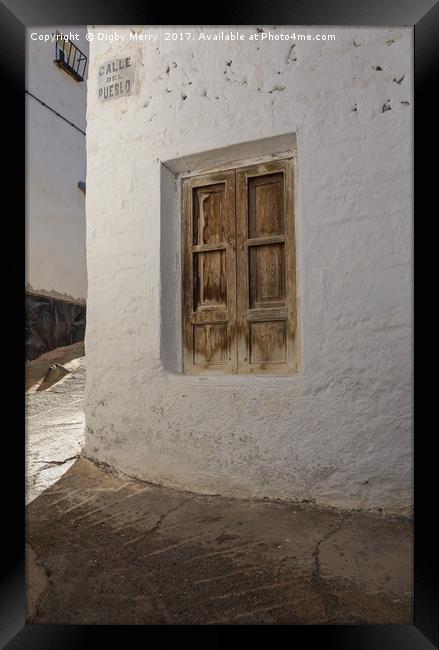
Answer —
105 549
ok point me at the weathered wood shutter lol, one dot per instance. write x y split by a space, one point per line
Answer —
266 319
239 302
209 273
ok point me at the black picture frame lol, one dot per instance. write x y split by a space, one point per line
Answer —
15 16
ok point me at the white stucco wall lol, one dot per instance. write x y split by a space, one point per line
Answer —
340 430
55 162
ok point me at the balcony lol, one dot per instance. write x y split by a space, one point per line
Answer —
69 58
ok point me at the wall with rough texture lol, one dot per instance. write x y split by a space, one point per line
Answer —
51 323
340 430
55 162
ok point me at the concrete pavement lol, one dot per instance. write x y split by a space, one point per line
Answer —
54 418
106 549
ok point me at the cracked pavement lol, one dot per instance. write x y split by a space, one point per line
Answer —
54 419
103 548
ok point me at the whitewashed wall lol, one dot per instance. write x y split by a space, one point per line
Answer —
55 162
340 431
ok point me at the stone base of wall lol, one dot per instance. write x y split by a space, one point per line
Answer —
51 323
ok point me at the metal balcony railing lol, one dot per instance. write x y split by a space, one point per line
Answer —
69 58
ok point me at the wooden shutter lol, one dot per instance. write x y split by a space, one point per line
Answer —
209 273
266 319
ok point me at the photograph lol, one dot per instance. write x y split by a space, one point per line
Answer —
219 318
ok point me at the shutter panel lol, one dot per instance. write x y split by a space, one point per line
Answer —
209 274
266 319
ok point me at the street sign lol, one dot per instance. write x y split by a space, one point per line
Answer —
115 79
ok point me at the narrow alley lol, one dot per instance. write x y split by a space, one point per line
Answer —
223 221
54 416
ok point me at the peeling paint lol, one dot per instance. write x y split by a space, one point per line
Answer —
276 89
291 56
